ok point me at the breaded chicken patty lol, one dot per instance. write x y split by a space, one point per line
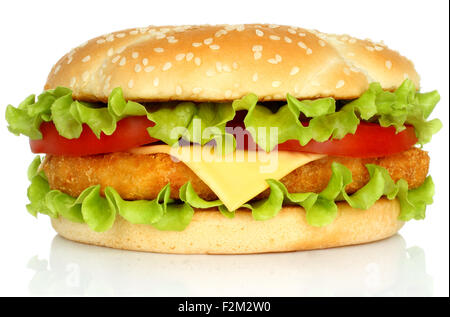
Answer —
138 176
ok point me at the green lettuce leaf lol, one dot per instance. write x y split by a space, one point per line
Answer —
189 196
403 106
176 218
99 213
140 211
203 122
172 120
413 202
164 213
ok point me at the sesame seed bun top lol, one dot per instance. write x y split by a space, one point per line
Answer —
226 62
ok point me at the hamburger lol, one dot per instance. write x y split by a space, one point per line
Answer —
228 139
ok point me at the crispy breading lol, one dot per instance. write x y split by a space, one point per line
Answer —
137 176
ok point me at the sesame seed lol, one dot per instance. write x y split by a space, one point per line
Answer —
120 35
287 39
178 90
189 56
122 61
322 43
167 66
135 55
86 59
131 83
259 32
148 69
145 61
158 49
235 65
257 48
134 32
101 41
137 68
352 41
85 76
226 68
272 61
220 33
197 90
57 68
228 93
274 37
110 38
208 41
294 70
273 26
388 64
180 57
308 51
110 52
276 83
214 47
115 59
255 77
160 36
172 40
196 44
370 48
340 84
257 55
219 67
69 59
180 28
302 45
240 28
120 49
197 61
301 34
378 48
156 82
292 31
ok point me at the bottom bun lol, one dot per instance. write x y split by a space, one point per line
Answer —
212 233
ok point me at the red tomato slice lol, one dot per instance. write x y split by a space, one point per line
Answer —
369 140
130 132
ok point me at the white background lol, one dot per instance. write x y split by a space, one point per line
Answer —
34 34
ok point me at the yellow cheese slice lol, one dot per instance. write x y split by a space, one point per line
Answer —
236 177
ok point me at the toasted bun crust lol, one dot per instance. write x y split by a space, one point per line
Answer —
212 233
226 62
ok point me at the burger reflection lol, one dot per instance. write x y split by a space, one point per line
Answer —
384 268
